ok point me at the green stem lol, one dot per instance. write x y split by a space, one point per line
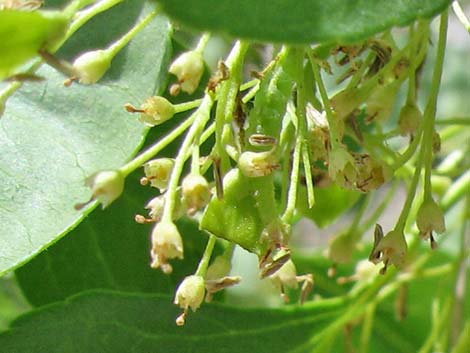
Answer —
227 99
206 257
117 46
202 115
335 137
460 275
300 135
138 161
453 121
430 111
202 44
400 226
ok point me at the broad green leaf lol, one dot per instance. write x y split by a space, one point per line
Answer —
305 21
108 250
330 203
114 322
53 137
23 33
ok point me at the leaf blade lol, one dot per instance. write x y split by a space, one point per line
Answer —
52 138
333 21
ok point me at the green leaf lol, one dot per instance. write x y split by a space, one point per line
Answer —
330 203
23 33
114 322
108 250
306 21
236 217
52 137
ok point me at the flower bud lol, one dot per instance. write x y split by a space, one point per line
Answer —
409 120
156 110
156 205
430 218
158 172
190 294
196 192
106 187
188 68
257 164
166 244
91 66
392 249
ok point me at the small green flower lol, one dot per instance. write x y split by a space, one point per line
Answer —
166 244
188 68
91 66
391 249
190 294
257 164
158 172
106 186
429 219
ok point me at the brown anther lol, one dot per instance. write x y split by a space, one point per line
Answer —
131 109
68 82
144 181
175 89
142 219
257 74
181 320
432 242
218 177
307 287
81 205
332 271
262 140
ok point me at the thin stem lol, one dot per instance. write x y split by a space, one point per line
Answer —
138 161
206 257
84 16
202 115
453 121
202 44
335 137
430 111
124 40
461 273
400 226
294 181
